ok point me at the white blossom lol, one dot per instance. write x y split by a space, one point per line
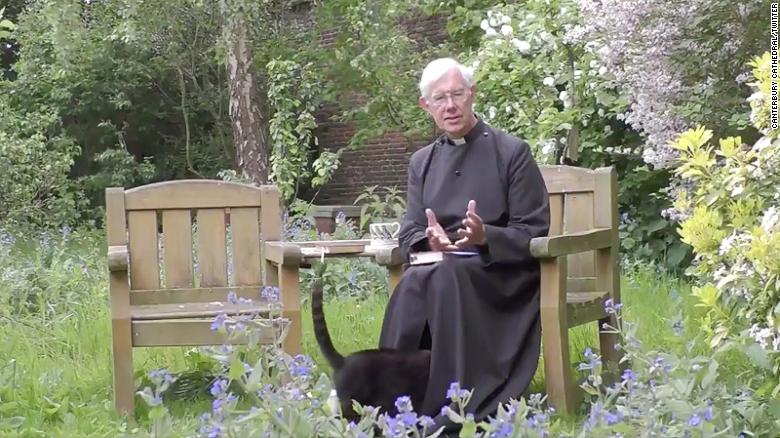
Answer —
549 81
506 30
522 46
770 219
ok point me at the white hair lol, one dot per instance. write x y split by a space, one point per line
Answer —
436 69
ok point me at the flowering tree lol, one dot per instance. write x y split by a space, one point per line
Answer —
532 83
675 60
731 218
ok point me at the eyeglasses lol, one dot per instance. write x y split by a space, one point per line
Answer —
458 96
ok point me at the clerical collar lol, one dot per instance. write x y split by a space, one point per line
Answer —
476 131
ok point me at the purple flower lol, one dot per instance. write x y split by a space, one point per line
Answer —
537 421
612 308
613 418
403 404
301 366
232 298
708 415
408 419
695 420
426 421
455 392
270 293
629 375
219 322
503 430
219 387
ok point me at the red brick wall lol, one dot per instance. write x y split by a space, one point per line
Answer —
382 161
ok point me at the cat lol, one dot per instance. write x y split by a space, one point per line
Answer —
374 377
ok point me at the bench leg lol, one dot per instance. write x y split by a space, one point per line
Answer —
124 388
557 366
610 357
558 378
395 276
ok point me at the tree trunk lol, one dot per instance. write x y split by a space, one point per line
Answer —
245 115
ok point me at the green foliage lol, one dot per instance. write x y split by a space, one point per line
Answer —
377 206
535 84
292 99
730 211
373 68
35 162
6 26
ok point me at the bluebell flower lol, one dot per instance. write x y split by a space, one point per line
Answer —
403 404
537 421
426 421
219 322
232 298
695 420
629 375
455 392
503 430
301 366
613 418
708 415
611 308
219 387
270 293
408 419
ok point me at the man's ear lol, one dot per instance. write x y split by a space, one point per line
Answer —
423 103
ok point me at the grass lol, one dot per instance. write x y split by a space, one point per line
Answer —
55 362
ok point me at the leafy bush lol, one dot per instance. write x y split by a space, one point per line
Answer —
729 206
35 164
557 93
676 62
376 206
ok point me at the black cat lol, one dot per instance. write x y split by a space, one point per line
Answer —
375 377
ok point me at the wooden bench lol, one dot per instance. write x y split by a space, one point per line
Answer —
579 269
168 260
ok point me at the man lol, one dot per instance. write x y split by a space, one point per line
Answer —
477 194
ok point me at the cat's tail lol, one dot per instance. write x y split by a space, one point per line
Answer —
335 359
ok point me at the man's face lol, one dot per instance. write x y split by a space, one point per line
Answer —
450 104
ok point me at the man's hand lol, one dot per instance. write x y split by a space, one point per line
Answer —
437 237
474 231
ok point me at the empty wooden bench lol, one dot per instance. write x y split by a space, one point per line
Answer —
168 259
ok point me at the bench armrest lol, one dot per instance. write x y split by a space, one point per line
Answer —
389 256
282 253
571 243
117 258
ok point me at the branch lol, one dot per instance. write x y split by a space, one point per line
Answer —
183 87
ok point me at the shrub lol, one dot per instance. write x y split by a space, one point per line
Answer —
729 207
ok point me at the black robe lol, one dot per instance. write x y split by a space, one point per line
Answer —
479 315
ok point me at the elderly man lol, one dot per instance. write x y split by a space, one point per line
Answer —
477 195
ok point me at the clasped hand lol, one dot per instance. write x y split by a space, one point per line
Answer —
472 233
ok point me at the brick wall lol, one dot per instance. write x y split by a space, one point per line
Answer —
382 161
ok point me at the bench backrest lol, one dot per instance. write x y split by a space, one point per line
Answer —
193 240
581 199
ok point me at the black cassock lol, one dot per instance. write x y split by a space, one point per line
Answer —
479 315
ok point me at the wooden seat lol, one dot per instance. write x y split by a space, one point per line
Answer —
579 267
579 270
177 251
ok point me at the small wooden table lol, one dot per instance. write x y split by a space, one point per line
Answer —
307 252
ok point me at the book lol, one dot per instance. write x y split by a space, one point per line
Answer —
429 257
